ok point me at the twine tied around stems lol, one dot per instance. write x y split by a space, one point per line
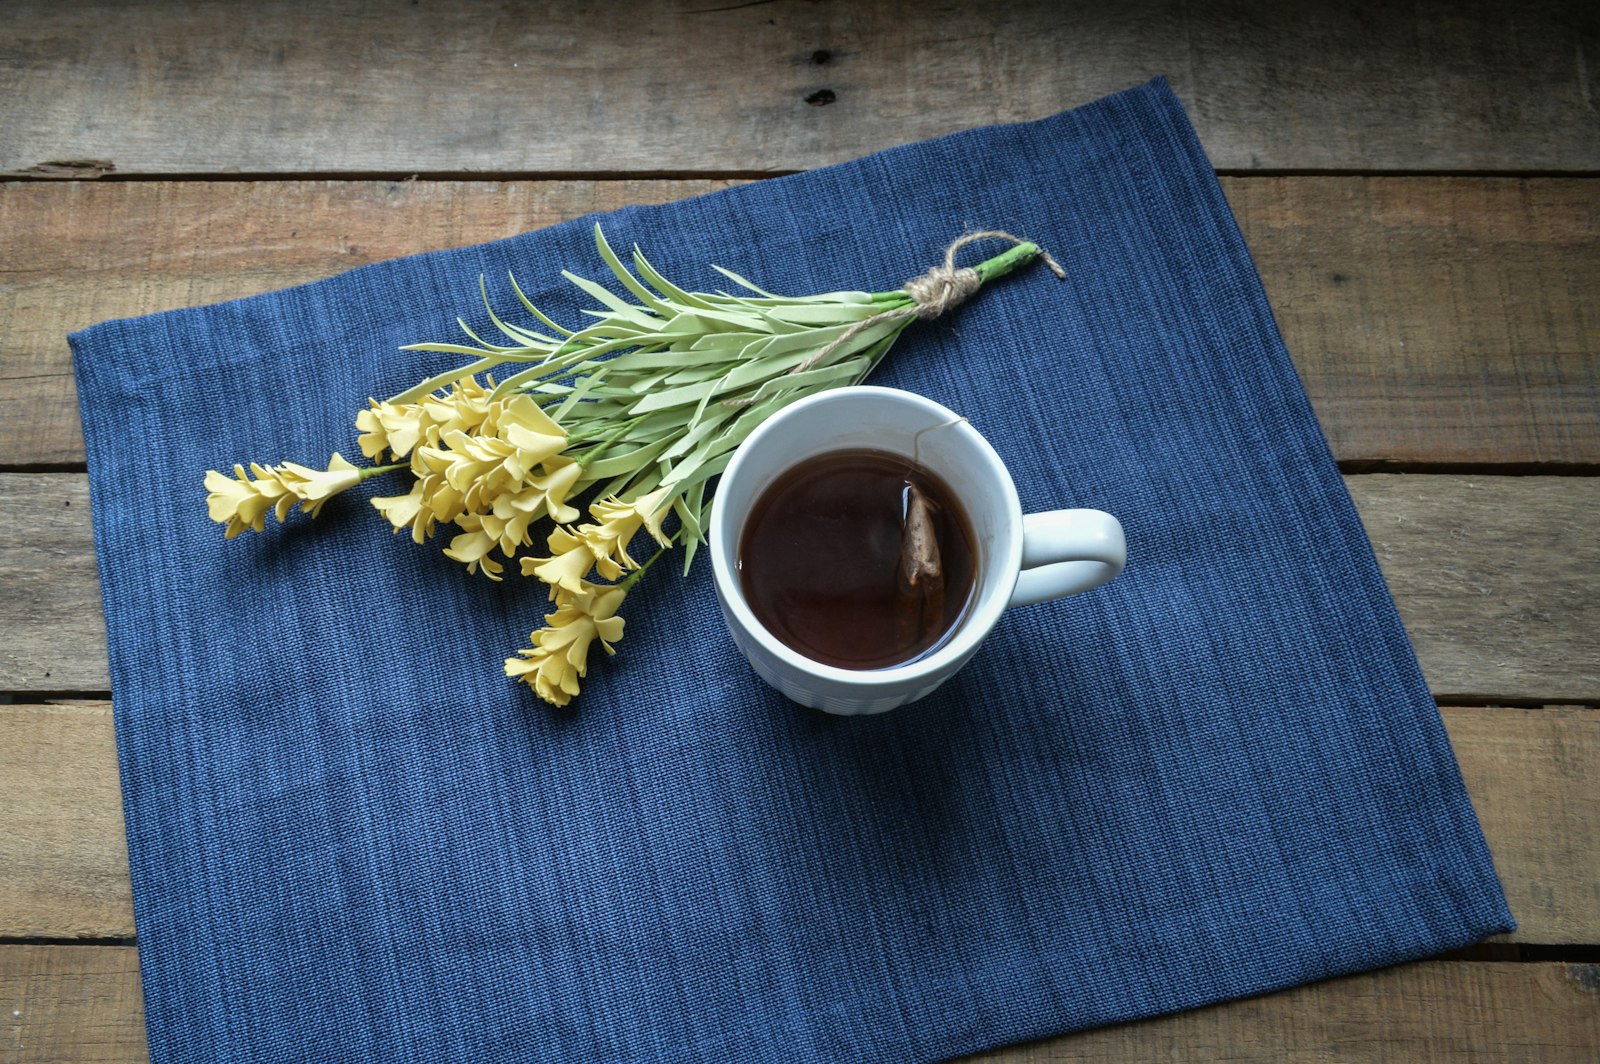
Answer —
941 289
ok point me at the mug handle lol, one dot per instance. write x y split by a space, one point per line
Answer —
1067 551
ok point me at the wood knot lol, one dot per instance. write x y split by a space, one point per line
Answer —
72 169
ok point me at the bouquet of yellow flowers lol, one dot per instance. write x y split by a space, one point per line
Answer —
638 411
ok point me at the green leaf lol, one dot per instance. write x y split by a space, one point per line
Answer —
664 286
635 319
696 374
642 384
602 294
647 297
742 283
734 341
827 314
667 398
703 426
812 380
584 385
521 336
712 321
715 467
801 344
770 298
531 309
462 349
628 461
671 358
482 343
692 510
627 485
440 380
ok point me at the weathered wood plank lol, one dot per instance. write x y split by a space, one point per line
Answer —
57 629
341 87
64 867
1433 1012
81 1004
1437 319
1534 777
1497 578
1433 319
71 1005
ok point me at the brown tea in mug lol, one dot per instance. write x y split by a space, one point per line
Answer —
859 559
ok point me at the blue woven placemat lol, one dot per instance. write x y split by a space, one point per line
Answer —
352 839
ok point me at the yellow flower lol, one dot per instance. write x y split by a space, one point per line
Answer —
619 523
409 511
500 455
443 502
386 427
559 654
398 429
545 493
473 546
238 502
507 522
492 468
243 503
461 409
317 485
532 432
511 515
567 566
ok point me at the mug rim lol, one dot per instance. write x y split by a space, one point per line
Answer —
970 630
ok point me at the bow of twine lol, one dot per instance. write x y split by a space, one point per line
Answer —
941 289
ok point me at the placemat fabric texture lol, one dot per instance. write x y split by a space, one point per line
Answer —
353 839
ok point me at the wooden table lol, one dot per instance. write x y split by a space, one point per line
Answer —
1417 183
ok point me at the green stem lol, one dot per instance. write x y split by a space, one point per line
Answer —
633 577
1010 259
598 446
373 471
1007 260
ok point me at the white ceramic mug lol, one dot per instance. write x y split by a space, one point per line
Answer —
1021 559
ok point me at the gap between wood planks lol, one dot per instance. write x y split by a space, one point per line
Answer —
104 172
